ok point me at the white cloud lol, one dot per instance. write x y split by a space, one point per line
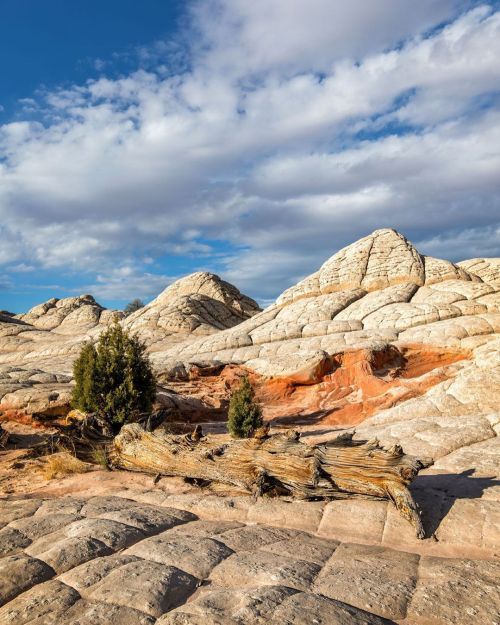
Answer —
464 244
22 268
259 145
126 283
293 36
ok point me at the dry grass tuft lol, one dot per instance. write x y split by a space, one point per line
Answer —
61 464
98 456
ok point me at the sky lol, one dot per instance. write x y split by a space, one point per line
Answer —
140 142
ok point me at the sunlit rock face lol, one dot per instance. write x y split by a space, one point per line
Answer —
488 269
37 348
50 334
403 347
69 315
138 557
379 326
198 304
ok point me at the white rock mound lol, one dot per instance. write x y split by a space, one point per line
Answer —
69 315
378 292
198 304
37 348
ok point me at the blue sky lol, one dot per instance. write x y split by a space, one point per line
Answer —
56 42
142 141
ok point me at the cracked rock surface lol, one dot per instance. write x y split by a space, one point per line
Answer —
402 346
177 567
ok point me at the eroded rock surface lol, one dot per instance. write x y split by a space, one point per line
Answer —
37 348
378 327
199 304
65 315
208 568
405 347
379 330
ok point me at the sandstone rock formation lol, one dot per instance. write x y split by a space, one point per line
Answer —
69 314
402 346
140 557
378 327
488 269
37 348
199 304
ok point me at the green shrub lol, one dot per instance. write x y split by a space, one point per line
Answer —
245 414
113 378
131 307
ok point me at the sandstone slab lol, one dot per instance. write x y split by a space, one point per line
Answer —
146 586
374 579
90 612
44 604
195 555
19 573
456 592
264 568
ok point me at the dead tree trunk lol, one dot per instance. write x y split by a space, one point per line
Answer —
4 437
278 463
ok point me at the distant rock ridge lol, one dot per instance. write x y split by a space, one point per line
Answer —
69 313
37 348
200 304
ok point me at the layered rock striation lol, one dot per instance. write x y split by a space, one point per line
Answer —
197 305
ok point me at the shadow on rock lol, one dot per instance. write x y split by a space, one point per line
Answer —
436 494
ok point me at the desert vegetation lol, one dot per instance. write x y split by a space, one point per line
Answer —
244 414
61 464
113 378
133 306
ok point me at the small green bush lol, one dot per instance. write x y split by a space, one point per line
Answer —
245 414
114 378
131 307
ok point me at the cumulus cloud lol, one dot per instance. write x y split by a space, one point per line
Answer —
293 36
126 282
292 129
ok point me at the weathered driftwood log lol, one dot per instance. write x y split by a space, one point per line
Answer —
4 437
278 463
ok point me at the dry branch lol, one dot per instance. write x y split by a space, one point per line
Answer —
4 437
278 463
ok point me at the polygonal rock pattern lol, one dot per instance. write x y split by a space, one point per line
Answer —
147 586
199 555
45 603
263 568
488 269
452 591
372 578
216 571
37 348
382 259
374 296
20 572
267 604
200 304
71 311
